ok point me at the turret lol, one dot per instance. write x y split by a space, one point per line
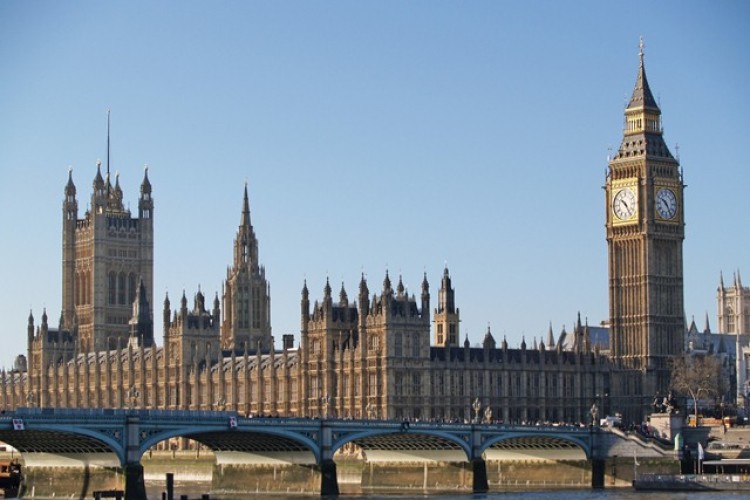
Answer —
30 343
30 328
167 314
550 337
99 196
425 298
387 288
447 316
363 297
141 324
216 311
327 298
706 326
70 204
145 202
305 307
400 287
489 340
70 217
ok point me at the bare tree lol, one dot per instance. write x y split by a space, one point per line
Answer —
697 376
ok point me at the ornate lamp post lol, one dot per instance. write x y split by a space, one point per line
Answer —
324 402
30 399
476 406
594 412
488 415
133 396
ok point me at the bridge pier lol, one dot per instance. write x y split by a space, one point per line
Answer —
479 481
597 473
135 487
329 484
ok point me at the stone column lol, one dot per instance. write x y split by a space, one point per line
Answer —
135 488
478 465
329 485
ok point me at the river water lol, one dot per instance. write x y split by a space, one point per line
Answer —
194 491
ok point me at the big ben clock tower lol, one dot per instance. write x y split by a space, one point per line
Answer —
645 230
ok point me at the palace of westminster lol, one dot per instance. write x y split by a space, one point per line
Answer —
384 354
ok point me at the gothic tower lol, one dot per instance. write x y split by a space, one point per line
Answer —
645 231
105 254
734 306
246 301
446 314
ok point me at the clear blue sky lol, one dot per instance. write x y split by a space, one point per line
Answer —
373 136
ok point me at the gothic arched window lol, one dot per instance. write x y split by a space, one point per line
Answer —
112 288
121 288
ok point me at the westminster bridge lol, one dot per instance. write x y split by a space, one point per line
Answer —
118 438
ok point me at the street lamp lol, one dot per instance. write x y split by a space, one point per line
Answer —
488 415
324 402
594 412
30 399
476 406
133 396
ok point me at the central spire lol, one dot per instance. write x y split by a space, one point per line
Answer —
642 96
643 131
245 209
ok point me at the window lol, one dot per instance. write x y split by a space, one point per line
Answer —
112 287
416 384
415 346
121 289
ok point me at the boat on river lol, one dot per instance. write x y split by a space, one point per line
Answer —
10 477
692 482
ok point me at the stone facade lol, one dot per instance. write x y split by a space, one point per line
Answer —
105 255
733 304
645 231
371 357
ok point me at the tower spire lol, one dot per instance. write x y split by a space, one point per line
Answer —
108 144
245 209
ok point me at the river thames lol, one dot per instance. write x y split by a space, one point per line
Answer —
193 491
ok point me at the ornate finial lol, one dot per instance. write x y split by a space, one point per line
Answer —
145 167
640 52
70 169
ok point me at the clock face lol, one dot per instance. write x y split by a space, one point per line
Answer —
624 204
666 203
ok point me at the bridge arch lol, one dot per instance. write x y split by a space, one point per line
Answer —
219 438
531 438
408 439
62 439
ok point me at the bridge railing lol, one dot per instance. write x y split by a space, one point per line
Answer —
119 414
113 413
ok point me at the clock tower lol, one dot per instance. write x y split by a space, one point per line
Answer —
645 230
